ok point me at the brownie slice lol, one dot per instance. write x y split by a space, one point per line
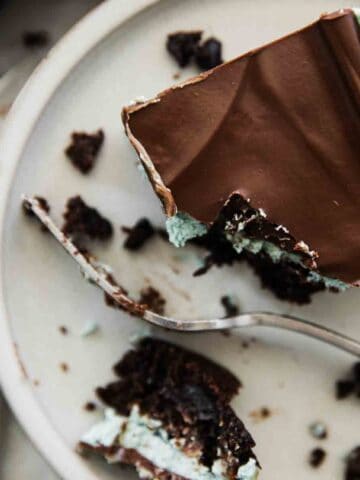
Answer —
266 129
180 402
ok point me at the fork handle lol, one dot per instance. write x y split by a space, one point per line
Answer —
294 324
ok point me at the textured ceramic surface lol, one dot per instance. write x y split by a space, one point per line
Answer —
104 63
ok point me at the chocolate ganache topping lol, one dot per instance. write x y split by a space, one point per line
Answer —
280 126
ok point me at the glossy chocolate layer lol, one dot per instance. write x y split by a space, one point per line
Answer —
281 127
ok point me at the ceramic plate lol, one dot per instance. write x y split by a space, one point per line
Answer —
113 56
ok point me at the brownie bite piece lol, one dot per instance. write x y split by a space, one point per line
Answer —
81 220
84 149
169 416
262 153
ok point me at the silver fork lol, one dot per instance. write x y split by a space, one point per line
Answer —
100 277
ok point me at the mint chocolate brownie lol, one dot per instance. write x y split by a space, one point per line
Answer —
169 416
263 153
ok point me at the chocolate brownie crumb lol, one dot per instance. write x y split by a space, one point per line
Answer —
265 412
261 414
349 385
82 220
182 46
356 372
138 235
63 330
43 203
84 149
344 388
110 302
231 310
36 39
153 299
64 367
353 465
90 406
209 54
28 211
317 457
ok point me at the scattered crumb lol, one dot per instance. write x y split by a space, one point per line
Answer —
110 302
185 46
83 220
182 46
63 330
353 465
138 235
19 360
84 148
4 109
153 299
90 329
64 367
261 414
317 457
349 385
36 382
245 344
318 430
43 203
35 39
356 372
130 306
231 309
344 388
209 54
176 76
90 406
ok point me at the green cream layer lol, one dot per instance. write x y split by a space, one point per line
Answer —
182 227
146 436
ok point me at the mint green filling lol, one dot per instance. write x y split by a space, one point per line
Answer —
146 436
182 227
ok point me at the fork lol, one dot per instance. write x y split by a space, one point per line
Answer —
95 272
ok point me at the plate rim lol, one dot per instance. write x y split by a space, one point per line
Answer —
85 35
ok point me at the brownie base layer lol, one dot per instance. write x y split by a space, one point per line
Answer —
132 458
287 280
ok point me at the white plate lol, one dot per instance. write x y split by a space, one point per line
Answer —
114 55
